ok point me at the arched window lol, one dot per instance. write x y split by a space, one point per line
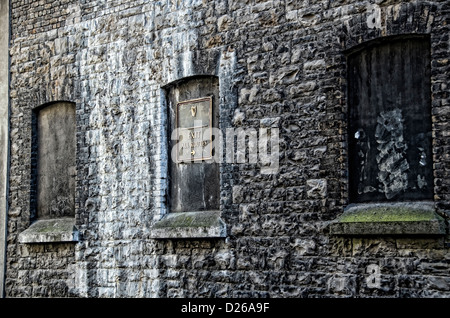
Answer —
194 175
55 159
193 203
389 122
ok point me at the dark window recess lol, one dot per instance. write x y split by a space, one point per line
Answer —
389 96
53 161
194 178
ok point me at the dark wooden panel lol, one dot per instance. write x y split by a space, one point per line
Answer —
194 186
389 97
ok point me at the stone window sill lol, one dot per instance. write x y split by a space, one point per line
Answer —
203 224
400 218
50 231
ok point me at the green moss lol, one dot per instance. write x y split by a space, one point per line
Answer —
388 214
188 219
189 225
53 226
46 229
51 230
182 221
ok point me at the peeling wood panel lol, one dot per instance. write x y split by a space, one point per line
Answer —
390 121
194 186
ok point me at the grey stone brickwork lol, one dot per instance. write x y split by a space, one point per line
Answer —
281 64
4 133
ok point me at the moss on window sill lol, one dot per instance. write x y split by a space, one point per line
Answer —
203 224
399 218
50 231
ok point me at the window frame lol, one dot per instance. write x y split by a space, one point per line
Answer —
353 152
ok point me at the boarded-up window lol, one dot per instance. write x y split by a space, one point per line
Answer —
389 98
55 147
194 176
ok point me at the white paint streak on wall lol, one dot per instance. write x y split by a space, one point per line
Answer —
391 160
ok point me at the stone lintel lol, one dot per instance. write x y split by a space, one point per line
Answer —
50 231
399 218
202 224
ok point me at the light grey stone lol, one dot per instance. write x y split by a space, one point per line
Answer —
51 230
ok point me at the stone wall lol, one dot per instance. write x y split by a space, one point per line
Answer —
281 64
4 132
